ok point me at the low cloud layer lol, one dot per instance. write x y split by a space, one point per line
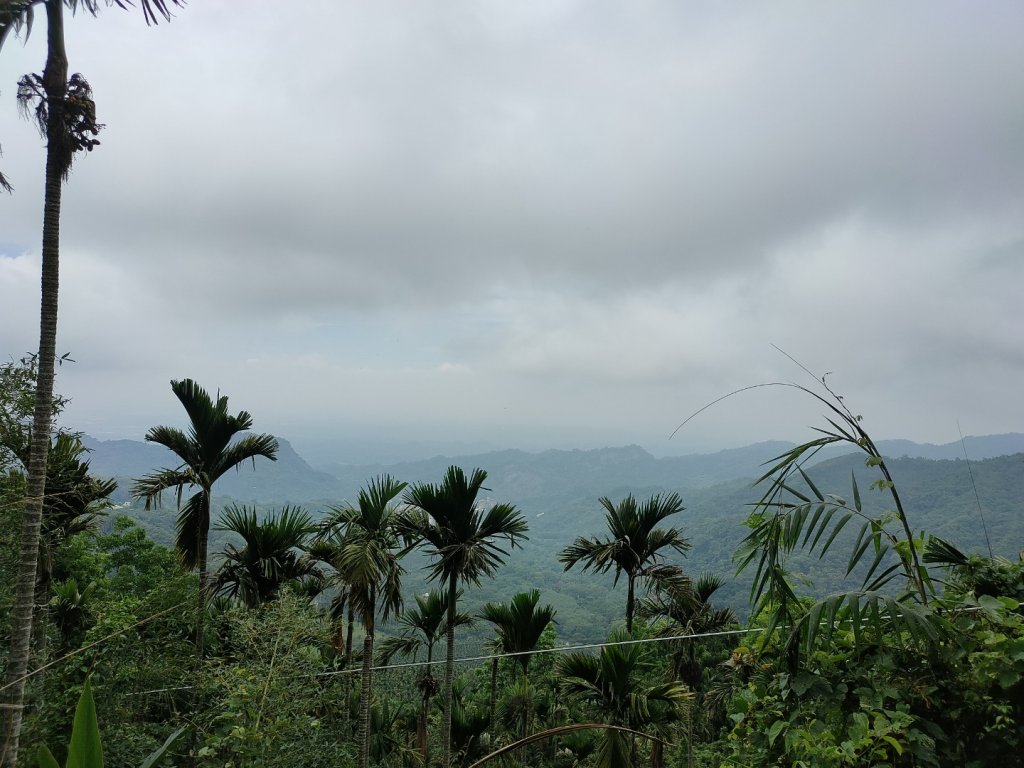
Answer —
536 223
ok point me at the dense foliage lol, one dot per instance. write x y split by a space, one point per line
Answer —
916 660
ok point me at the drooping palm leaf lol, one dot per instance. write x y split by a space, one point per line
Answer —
519 624
209 449
636 546
464 546
272 555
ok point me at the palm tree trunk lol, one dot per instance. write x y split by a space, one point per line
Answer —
44 580
366 691
55 79
423 741
41 622
348 669
421 731
494 685
449 672
526 714
202 547
630 605
657 754
689 737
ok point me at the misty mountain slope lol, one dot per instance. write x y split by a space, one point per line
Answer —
543 479
288 480
557 492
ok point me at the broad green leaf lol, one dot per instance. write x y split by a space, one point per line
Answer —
156 757
803 682
894 744
85 750
45 758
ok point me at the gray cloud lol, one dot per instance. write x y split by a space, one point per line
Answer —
470 216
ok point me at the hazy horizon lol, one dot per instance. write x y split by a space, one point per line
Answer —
535 223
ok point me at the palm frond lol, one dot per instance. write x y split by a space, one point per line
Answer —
392 647
519 624
247 448
209 449
272 556
151 487
459 538
188 528
872 618
940 552
177 442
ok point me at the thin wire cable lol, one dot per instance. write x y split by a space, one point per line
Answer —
490 657
467 659
977 498
93 644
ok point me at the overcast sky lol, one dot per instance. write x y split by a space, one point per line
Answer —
540 223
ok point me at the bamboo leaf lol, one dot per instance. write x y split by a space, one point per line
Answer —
156 757
812 525
795 492
794 526
884 577
810 484
854 614
813 624
847 436
880 553
835 532
829 514
859 548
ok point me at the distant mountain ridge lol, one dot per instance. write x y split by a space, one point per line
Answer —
289 478
546 476
557 492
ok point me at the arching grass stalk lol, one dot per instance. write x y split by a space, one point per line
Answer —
793 514
845 428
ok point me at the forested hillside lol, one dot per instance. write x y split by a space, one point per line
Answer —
558 492
849 638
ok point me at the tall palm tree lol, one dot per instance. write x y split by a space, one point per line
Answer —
73 503
421 628
464 540
326 548
65 115
611 684
469 723
375 537
686 609
272 555
519 626
637 547
211 447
